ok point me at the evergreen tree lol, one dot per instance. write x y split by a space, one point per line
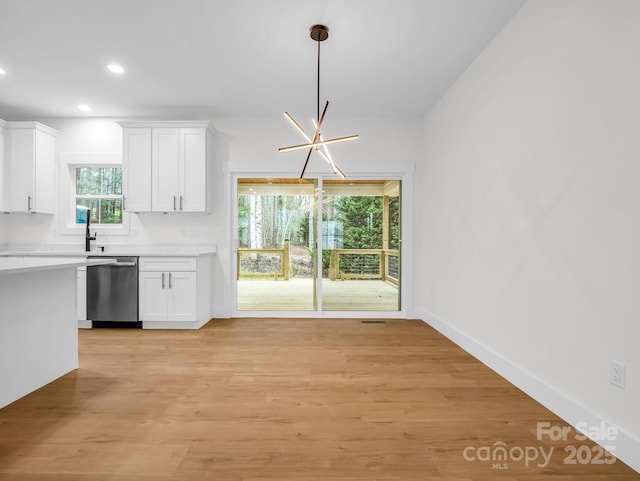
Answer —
361 217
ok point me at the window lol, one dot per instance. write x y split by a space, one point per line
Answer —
100 190
91 180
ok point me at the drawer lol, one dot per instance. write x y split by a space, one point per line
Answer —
167 264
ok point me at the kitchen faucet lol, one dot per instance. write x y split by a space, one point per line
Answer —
87 237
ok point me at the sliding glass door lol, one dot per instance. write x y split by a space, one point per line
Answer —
276 265
280 259
361 245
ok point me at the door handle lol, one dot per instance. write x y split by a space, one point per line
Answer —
28 202
124 203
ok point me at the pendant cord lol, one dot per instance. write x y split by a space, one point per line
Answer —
318 89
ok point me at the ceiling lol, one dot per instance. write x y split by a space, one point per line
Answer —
202 59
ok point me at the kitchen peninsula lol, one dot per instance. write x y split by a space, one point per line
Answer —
38 326
175 281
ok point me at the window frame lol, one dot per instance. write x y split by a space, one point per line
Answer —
68 162
99 197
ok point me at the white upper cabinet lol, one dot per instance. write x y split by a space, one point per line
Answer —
192 184
3 186
165 169
167 166
136 169
31 160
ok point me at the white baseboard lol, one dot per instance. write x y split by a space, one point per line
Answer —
171 324
627 447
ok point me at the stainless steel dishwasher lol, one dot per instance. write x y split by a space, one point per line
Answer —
112 293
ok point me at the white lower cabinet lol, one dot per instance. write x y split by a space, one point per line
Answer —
81 293
167 296
174 292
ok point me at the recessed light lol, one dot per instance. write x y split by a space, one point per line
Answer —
84 108
115 68
3 71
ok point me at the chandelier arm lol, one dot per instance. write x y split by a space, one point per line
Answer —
326 155
339 172
306 162
296 147
318 143
337 140
316 136
324 152
296 125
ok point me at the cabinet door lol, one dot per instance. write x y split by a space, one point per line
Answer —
182 296
32 160
23 149
152 296
136 163
165 169
81 293
3 168
44 173
193 170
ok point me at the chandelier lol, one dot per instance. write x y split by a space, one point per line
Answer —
318 33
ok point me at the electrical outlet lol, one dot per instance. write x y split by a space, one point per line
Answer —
616 374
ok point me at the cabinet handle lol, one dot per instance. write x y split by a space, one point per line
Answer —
169 280
180 202
163 280
29 203
174 202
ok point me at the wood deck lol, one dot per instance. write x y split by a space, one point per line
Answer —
282 400
297 295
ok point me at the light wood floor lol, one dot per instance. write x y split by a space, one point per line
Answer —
297 295
257 400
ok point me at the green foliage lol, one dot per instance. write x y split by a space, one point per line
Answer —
100 189
361 217
303 229
244 209
394 222
98 181
326 257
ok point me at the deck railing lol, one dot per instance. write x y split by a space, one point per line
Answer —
344 264
365 264
259 258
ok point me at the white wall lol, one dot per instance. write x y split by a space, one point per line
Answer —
3 222
241 145
530 217
250 145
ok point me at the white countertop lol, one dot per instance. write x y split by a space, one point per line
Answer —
115 250
14 265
